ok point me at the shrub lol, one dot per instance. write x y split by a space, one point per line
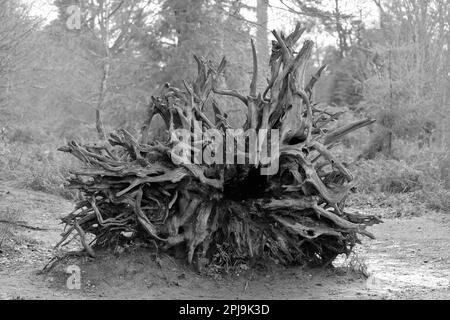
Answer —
36 167
421 172
387 175
26 135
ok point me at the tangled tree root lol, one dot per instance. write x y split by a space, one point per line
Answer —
147 190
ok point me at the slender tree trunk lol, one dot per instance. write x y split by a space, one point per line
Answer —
262 41
340 31
104 26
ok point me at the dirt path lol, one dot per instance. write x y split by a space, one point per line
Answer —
410 259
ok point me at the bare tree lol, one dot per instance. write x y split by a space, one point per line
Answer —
15 27
111 24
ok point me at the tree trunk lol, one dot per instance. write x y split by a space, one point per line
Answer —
342 37
262 40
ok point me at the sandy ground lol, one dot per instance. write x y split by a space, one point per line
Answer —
410 259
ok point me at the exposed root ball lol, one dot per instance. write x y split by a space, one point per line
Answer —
272 190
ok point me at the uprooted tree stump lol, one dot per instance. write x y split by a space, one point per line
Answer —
236 209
